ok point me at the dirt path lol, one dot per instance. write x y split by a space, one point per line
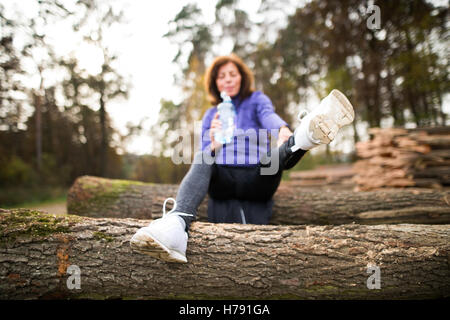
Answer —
54 208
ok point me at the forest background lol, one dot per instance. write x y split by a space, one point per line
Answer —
391 59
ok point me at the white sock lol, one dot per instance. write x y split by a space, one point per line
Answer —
183 223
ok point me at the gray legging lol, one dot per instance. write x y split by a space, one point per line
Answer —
196 182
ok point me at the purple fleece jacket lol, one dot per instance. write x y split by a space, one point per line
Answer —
255 118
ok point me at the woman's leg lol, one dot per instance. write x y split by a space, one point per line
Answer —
193 188
256 184
287 158
166 238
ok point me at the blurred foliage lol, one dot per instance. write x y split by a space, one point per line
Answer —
68 132
157 169
298 52
397 70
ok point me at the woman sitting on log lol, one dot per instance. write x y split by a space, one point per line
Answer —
241 176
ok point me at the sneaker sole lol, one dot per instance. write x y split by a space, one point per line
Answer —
149 245
324 127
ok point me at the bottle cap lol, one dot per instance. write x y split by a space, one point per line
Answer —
225 96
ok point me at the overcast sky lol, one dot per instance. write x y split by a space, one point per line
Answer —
147 56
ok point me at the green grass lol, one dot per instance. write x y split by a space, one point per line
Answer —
35 203
25 197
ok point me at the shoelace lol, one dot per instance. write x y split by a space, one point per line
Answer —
173 209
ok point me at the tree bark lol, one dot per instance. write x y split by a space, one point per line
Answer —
109 198
104 139
232 261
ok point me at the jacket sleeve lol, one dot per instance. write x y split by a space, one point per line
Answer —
266 113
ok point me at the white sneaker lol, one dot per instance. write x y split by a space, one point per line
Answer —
163 238
321 125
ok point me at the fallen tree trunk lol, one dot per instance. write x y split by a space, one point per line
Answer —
98 197
327 175
225 261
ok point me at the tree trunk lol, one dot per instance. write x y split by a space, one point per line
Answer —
104 138
109 198
38 123
224 261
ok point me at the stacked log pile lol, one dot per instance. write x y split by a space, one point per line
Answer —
403 158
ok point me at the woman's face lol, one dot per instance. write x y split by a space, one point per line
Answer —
229 79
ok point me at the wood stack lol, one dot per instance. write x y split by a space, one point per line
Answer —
403 158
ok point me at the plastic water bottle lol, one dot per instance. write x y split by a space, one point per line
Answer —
227 115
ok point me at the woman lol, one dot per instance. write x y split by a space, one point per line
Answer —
240 182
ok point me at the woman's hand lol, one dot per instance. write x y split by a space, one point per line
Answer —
283 135
216 125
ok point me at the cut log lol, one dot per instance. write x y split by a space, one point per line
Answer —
328 175
432 130
434 163
330 206
99 197
443 172
39 251
427 183
435 141
437 155
324 172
